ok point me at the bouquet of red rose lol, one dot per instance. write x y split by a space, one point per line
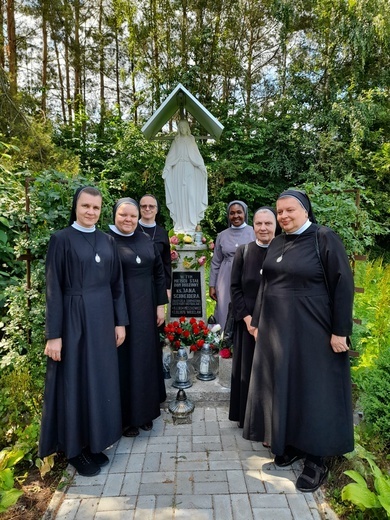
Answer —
191 333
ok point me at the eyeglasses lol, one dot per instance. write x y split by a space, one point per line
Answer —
146 206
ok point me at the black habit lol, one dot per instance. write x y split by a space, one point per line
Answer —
300 390
245 281
140 356
160 237
84 302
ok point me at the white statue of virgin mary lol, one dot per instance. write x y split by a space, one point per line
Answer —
185 178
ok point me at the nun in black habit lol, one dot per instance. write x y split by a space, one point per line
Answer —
299 398
149 209
245 281
85 323
140 359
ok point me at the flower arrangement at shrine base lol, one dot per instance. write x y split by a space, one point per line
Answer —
191 333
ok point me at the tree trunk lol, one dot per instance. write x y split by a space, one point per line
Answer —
134 92
12 60
2 39
45 11
101 70
67 76
156 55
61 83
184 37
77 58
117 74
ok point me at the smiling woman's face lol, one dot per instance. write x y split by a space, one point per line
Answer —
291 214
236 215
148 208
264 225
88 208
126 218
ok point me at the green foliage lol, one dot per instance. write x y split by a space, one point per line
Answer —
344 206
372 307
8 494
374 386
20 406
11 190
371 371
368 476
252 161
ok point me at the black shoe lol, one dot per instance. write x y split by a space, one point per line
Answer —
312 477
147 426
100 459
289 456
84 465
131 431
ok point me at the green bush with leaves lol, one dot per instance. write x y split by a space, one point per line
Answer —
371 371
21 392
8 494
372 308
374 386
344 206
371 487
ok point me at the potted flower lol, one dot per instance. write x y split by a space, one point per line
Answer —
190 334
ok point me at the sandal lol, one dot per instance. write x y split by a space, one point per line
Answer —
147 426
311 477
131 431
289 456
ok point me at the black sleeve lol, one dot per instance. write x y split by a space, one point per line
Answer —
55 272
118 288
237 296
340 280
257 308
159 278
166 259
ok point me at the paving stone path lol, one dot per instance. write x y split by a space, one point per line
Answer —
199 471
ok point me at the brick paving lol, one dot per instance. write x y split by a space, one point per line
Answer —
199 471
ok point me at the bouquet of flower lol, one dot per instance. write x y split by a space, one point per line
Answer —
190 333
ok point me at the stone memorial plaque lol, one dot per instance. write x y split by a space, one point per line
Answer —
186 297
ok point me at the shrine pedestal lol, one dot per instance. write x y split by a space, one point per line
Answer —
225 371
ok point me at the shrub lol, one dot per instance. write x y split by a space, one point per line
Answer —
8 494
20 408
374 398
371 487
371 371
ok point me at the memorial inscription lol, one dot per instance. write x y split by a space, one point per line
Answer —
186 298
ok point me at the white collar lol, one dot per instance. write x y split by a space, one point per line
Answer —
146 225
239 227
303 228
82 228
116 230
